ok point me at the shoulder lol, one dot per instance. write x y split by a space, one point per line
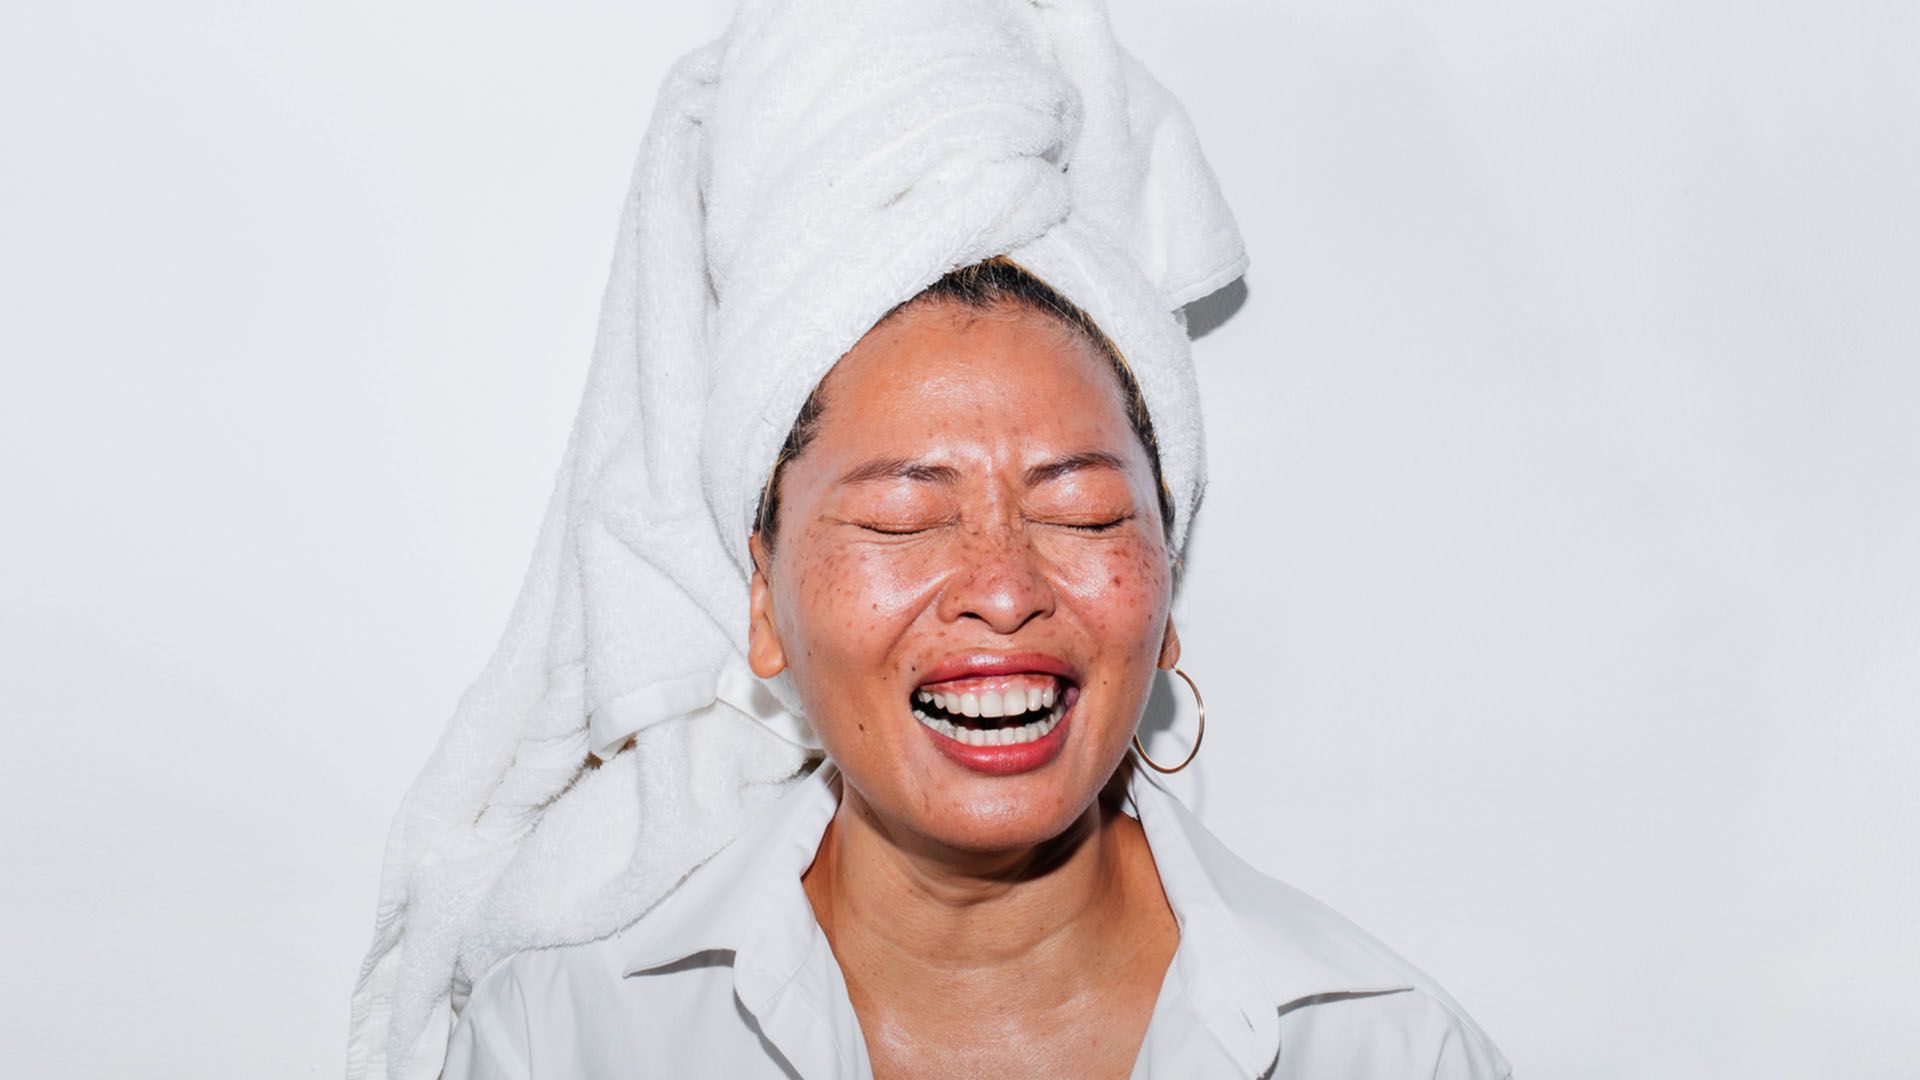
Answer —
1393 1008
537 1005
544 976
1392 1020
1344 998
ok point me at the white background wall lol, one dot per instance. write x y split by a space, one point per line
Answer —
1557 600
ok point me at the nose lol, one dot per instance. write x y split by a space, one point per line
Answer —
1000 581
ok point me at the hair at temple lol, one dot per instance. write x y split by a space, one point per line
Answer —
998 282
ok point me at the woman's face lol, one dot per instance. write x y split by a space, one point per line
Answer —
970 587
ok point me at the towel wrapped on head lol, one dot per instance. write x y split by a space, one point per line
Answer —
820 163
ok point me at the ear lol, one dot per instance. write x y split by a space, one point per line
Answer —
764 653
1170 647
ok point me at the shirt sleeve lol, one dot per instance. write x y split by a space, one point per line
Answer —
491 1039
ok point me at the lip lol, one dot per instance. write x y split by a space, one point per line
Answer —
975 665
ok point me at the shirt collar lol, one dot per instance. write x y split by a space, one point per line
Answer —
1249 945
747 899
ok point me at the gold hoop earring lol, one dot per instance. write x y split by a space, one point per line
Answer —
1198 703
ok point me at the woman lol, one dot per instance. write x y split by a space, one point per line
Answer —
935 516
963 565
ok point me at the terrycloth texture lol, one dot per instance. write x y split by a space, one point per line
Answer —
821 162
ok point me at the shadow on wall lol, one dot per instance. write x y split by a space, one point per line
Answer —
1169 722
1208 313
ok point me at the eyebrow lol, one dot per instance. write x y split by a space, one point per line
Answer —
897 468
1073 463
900 468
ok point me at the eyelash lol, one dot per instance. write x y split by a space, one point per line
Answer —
1101 526
1094 527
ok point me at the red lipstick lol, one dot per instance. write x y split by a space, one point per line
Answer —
979 664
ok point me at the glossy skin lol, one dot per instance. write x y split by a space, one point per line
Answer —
987 922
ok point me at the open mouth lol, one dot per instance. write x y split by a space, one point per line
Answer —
1000 710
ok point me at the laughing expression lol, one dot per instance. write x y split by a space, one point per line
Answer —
970 587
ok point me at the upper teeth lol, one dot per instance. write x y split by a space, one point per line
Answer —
992 702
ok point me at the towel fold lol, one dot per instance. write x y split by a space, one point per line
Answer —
821 162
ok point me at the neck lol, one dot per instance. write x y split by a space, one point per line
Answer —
933 909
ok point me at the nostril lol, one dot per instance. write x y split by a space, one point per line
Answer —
1006 605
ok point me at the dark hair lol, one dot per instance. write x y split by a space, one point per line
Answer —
998 282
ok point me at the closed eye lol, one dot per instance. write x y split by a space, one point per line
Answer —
889 528
1098 526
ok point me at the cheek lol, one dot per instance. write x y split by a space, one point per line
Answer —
851 601
1123 590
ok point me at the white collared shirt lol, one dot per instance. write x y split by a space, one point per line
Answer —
732 977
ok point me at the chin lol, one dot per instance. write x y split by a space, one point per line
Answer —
1002 814
1004 821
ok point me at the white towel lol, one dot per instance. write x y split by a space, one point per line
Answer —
819 163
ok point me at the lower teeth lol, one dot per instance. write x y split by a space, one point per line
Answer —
1006 736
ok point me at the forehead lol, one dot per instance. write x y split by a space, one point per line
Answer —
943 365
